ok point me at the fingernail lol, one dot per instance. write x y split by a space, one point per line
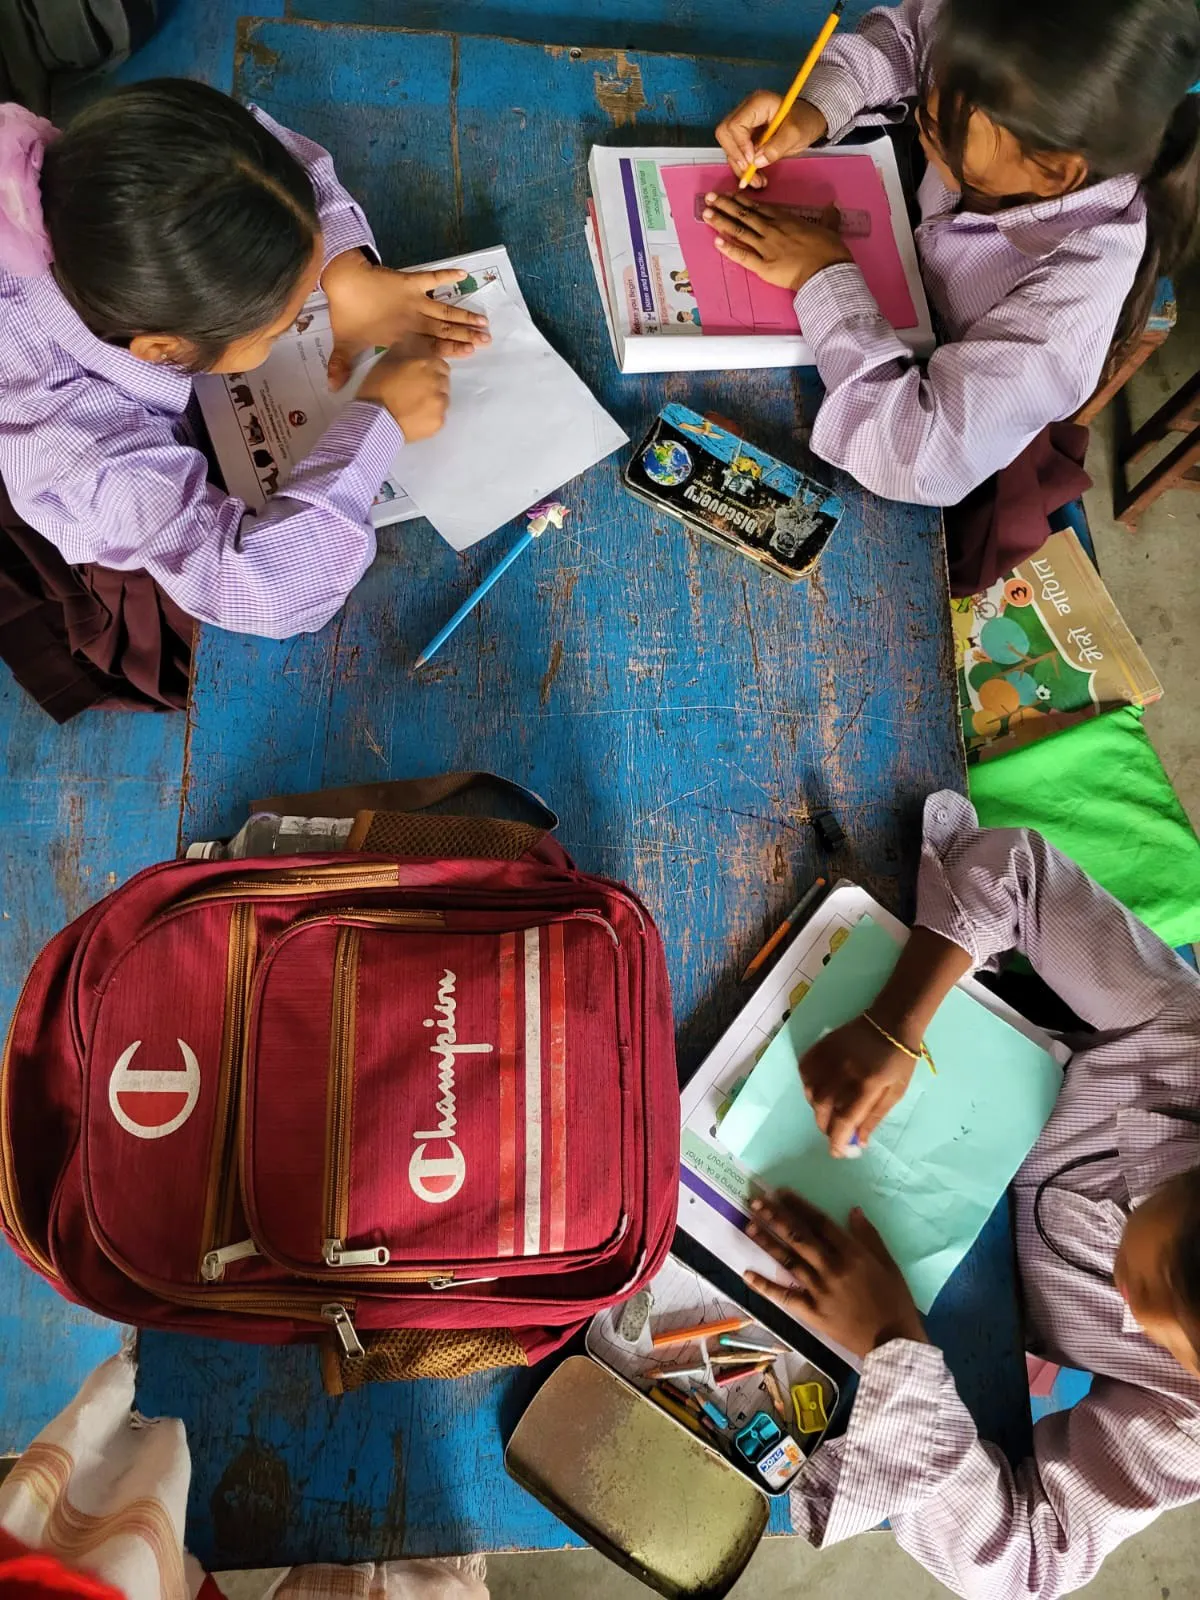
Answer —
756 1204
708 216
857 1211
711 196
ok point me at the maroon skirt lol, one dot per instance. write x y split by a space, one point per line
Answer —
82 638
1007 519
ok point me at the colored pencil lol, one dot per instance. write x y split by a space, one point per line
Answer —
784 928
703 1330
727 1341
771 1383
729 1375
798 82
676 1409
473 599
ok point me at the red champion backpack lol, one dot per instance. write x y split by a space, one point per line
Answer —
427 1084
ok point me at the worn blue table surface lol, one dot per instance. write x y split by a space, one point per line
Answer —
682 712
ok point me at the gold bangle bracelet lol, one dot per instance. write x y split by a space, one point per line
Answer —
913 1055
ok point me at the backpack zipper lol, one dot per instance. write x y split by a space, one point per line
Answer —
290 882
339 1114
212 1268
10 1208
343 1327
219 1199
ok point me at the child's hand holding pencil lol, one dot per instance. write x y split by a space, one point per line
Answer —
739 133
767 126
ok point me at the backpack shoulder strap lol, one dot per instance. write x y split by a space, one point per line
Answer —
396 817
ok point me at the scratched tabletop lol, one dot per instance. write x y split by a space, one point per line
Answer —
681 711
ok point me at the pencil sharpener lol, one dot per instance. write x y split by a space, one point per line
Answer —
809 1405
758 1436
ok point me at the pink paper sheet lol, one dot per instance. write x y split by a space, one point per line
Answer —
732 300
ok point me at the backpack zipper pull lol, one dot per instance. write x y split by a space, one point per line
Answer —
449 1281
212 1268
343 1326
336 1255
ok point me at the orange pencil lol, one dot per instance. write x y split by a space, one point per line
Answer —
784 928
704 1330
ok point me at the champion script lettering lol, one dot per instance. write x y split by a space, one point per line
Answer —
438 1168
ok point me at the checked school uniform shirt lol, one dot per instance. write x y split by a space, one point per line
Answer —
90 459
1131 1103
1025 301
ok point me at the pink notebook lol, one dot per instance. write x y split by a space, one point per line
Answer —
732 300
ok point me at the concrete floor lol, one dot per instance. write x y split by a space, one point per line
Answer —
1152 576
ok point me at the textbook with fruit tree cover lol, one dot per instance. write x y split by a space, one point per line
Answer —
1042 649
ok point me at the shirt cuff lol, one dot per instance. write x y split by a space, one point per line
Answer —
836 96
836 298
950 822
346 229
361 445
891 1446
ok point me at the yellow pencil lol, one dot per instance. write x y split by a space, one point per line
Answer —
793 94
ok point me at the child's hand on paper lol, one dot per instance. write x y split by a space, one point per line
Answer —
772 241
844 1284
741 130
371 305
852 1078
413 383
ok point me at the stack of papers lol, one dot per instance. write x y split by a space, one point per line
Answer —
521 423
673 303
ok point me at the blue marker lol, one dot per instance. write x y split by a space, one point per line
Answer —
472 600
541 516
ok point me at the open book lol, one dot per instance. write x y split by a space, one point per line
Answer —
263 422
673 303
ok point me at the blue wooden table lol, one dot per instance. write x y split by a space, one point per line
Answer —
683 713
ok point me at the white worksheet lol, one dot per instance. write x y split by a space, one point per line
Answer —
521 424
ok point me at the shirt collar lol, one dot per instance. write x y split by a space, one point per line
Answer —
165 388
1039 228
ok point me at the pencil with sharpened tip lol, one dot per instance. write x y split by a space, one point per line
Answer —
771 1384
729 1341
728 1375
793 94
702 1330
676 1409
784 928
663 1373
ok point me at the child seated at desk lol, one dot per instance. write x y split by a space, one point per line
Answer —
1107 1223
1063 178
169 231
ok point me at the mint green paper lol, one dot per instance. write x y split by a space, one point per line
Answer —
937 1165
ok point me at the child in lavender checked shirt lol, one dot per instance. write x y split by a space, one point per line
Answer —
1106 1221
169 231
1063 178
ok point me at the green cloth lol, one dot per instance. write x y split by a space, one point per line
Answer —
1098 791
